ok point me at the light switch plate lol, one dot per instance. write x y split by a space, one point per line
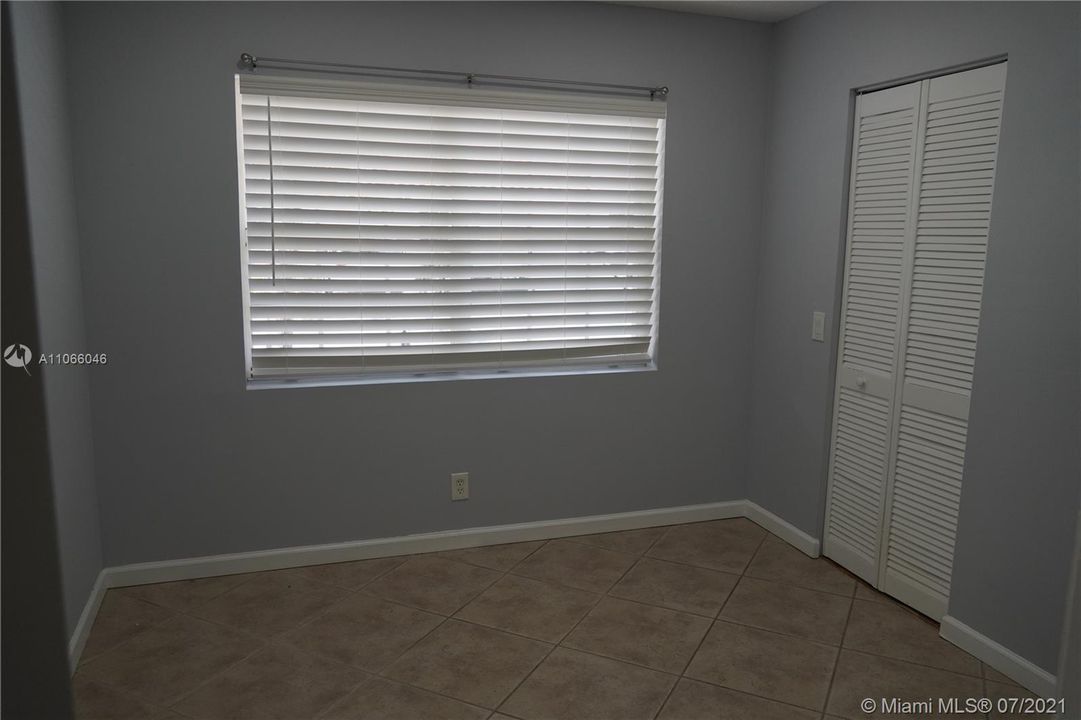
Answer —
818 326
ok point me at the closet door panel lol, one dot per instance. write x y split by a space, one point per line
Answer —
940 327
925 496
884 151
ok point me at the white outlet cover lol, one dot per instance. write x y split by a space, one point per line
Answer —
459 486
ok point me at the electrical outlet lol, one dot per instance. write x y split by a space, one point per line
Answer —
459 486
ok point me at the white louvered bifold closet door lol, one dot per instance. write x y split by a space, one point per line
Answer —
467 229
955 182
884 150
901 411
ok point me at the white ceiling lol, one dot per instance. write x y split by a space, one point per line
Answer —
768 11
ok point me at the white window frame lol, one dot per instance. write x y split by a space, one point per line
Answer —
441 94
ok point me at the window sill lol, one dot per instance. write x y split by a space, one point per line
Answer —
317 381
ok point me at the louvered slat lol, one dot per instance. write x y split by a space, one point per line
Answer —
880 197
389 235
948 283
858 472
926 496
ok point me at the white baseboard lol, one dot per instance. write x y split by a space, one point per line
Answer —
86 620
210 566
1007 662
782 529
213 565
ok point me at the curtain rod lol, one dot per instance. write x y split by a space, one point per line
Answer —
250 62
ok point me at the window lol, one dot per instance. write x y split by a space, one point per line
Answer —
391 231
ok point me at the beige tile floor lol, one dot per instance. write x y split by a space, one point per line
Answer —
707 620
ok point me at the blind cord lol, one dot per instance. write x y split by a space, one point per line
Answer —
270 163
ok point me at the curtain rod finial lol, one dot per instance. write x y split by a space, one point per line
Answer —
246 62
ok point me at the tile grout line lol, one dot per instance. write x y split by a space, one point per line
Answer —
837 659
577 539
399 656
639 558
532 670
718 619
840 645
983 684
199 686
712 623
750 694
602 596
168 706
149 625
775 631
662 536
567 634
852 604
263 641
502 574
527 637
251 576
445 554
643 603
714 684
398 603
349 593
557 583
323 613
380 673
127 694
510 570
790 636
686 677
914 663
373 676
175 611
691 565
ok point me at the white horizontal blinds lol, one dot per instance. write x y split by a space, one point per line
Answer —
884 144
413 237
955 185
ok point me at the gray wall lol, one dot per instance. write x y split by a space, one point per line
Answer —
39 64
191 463
1020 494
